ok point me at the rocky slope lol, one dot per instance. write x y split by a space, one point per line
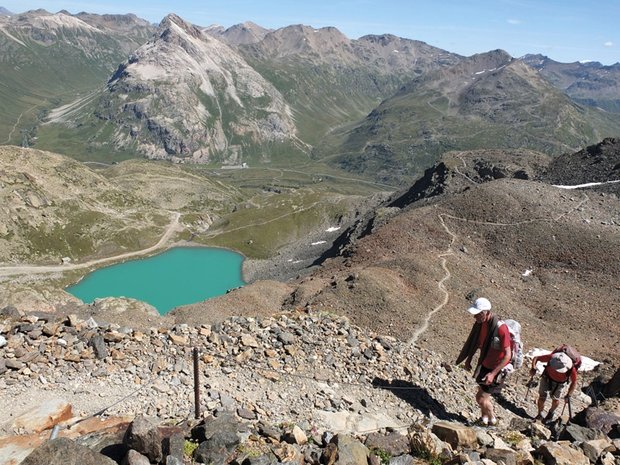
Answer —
311 370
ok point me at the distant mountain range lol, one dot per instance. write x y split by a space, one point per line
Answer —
109 87
589 83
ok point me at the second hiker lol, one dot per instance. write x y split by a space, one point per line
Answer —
492 338
554 381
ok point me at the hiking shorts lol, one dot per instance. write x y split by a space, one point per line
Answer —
495 387
554 389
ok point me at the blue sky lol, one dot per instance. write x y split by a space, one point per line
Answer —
564 30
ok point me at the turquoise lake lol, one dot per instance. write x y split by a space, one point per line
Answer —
179 276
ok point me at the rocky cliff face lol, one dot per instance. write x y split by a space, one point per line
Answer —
186 95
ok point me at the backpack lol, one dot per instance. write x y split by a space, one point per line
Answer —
572 354
516 345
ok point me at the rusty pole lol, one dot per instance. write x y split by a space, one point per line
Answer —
196 386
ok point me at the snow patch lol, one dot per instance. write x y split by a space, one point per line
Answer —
589 184
318 243
527 272
332 229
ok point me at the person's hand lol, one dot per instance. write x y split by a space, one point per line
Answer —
488 379
567 397
532 371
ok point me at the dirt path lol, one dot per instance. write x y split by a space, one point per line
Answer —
32 269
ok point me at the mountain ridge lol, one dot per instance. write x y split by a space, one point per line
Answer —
488 100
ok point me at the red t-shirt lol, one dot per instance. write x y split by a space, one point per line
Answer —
494 355
553 374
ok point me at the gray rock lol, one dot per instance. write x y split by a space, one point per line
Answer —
171 460
246 414
99 347
286 338
403 460
350 450
578 433
144 437
394 444
63 451
594 449
135 458
174 445
506 456
600 419
560 453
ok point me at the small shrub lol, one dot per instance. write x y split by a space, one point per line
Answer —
383 455
189 447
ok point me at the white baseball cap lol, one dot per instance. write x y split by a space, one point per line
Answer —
480 305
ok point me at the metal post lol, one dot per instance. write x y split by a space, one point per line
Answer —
196 386
55 431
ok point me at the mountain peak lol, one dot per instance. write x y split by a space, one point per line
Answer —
173 22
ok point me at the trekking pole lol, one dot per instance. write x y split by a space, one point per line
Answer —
562 413
570 409
531 383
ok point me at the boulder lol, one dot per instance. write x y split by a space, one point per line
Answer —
425 443
612 388
135 458
600 419
506 456
561 453
350 450
44 416
576 433
99 348
403 460
596 448
143 436
457 435
393 443
63 451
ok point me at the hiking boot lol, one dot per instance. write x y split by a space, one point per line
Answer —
539 417
493 421
549 418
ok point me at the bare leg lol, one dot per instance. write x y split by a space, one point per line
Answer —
554 406
541 404
486 403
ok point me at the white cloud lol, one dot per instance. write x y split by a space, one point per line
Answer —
514 21
609 43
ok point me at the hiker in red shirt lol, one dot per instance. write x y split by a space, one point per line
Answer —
492 338
554 381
